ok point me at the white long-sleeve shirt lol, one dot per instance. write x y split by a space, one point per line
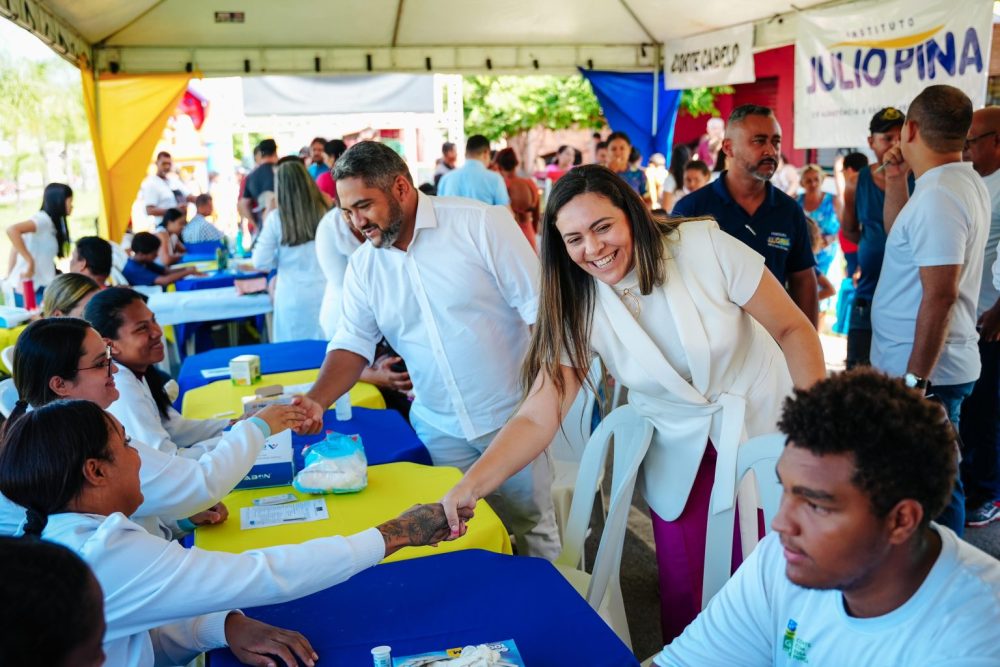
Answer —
164 604
175 487
136 410
456 305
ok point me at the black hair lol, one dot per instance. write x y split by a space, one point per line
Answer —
202 199
901 443
744 110
943 114
507 159
577 158
162 154
447 146
54 204
376 164
96 253
49 604
698 165
46 349
43 454
335 148
601 144
855 161
268 147
476 144
720 161
104 312
428 189
170 215
679 157
619 135
145 243
317 140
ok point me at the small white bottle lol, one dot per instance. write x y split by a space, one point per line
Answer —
382 656
343 407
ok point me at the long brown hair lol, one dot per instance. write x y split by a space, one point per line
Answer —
566 305
300 203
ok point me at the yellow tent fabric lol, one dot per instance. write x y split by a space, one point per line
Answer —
127 114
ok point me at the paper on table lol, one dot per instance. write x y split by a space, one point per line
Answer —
298 388
279 515
211 373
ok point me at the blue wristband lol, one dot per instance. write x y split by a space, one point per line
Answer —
186 526
262 425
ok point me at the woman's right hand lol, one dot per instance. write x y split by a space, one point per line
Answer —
279 416
459 501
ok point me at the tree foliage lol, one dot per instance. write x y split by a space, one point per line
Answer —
502 106
699 101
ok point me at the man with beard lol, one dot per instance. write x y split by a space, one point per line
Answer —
749 207
855 572
452 285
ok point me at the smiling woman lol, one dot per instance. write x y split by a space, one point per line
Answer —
706 340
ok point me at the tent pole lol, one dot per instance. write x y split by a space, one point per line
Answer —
656 92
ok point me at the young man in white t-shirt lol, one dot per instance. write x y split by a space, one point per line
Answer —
854 572
924 308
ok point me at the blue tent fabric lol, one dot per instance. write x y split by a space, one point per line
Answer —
627 101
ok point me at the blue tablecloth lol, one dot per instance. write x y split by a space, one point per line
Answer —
215 279
197 256
455 599
295 355
385 434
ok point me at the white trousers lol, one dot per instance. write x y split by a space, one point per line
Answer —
523 502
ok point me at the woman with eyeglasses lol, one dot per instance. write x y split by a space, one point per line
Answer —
64 357
120 315
74 469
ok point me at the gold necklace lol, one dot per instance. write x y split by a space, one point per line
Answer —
630 297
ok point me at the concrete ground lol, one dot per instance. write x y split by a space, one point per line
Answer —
639 574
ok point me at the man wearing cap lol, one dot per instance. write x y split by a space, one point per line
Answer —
749 207
864 199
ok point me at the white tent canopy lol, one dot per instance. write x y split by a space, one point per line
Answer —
351 36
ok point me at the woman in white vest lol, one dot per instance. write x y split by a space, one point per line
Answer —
288 243
687 318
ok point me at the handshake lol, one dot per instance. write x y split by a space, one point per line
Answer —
421 525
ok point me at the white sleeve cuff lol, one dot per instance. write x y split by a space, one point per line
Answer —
368 547
359 346
210 630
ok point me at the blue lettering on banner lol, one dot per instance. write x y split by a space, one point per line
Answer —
927 61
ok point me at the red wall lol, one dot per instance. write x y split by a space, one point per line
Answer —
778 63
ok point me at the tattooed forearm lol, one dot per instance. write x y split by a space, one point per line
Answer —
420 525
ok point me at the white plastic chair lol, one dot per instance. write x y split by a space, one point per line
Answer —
760 455
8 397
569 444
7 355
602 588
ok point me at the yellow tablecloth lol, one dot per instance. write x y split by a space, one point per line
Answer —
8 337
392 488
222 396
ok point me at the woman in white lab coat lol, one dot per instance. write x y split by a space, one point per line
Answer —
72 466
687 318
288 243
64 357
121 316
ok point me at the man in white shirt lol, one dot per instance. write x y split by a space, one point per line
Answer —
981 410
159 193
855 573
474 178
924 308
452 285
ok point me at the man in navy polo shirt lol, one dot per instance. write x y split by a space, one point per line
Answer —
748 207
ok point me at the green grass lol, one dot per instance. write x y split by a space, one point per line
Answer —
82 222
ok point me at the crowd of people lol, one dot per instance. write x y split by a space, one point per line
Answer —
481 308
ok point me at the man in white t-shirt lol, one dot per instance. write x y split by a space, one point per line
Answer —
981 410
924 308
159 193
452 285
855 573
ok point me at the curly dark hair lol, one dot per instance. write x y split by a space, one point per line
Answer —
902 444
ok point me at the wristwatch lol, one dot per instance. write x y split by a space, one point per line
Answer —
915 381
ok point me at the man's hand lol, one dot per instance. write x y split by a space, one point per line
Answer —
279 417
989 324
382 375
256 643
421 525
313 422
217 513
894 164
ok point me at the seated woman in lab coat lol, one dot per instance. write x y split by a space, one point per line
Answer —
687 318
288 243
64 357
121 316
72 466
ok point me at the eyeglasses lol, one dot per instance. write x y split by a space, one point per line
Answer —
969 142
104 364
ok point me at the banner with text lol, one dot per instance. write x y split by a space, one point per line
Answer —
717 58
854 59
